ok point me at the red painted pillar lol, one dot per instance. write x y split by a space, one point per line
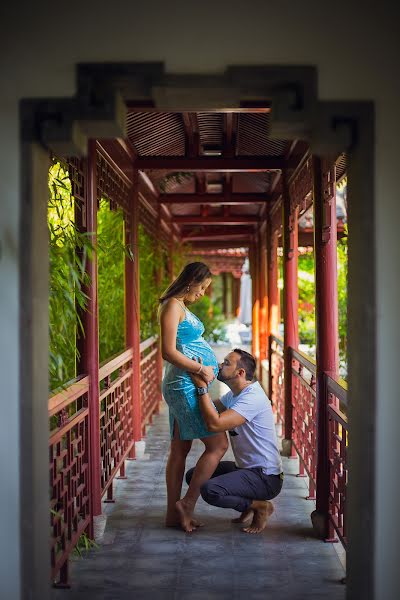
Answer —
256 303
263 302
90 357
133 309
290 302
326 310
273 293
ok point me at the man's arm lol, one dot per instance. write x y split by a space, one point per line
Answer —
229 419
224 419
219 406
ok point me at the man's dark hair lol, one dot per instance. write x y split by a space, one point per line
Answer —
246 362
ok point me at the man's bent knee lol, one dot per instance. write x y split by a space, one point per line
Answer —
209 493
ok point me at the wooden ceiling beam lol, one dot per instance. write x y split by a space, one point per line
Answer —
220 220
215 164
216 199
220 244
217 229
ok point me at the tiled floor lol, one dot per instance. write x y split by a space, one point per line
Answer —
139 559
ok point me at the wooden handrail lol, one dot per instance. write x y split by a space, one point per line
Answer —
115 363
338 387
147 343
61 399
305 360
278 340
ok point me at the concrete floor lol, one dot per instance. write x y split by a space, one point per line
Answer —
139 559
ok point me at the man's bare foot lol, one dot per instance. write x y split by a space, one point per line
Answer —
245 516
185 515
262 510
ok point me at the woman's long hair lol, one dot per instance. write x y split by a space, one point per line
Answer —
195 272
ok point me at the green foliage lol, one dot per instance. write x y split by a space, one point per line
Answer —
85 543
211 316
111 269
68 253
306 311
149 257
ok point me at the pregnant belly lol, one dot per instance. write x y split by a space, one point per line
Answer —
178 379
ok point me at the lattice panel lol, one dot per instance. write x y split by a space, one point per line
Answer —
300 188
77 174
150 379
116 422
111 185
304 421
69 477
148 221
338 470
278 384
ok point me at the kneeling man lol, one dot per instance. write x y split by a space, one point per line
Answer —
255 477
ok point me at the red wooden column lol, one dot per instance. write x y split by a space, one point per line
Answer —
326 310
290 303
263 298
272 291
90 357
133 308
255 301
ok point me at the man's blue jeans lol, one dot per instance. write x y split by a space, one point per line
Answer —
231 487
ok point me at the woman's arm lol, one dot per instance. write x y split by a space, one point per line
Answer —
170 314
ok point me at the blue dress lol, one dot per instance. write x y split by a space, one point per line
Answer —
177 387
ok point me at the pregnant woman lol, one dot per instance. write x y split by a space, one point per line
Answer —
181 345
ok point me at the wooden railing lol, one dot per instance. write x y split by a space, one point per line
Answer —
276 366
69 444
337 444
150 379
304 426
70 512
304 423
116 418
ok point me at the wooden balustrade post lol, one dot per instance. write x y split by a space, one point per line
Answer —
327 332
290 304
133 307
273 294
90 355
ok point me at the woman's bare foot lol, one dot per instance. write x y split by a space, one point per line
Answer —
245 516
173 521
185 515
262 510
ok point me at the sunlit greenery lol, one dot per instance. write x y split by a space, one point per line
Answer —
111 261
68 253
211 316
306 286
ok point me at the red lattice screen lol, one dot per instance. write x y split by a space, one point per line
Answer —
69 473
116 417
277 373
338 439
304 434
150 378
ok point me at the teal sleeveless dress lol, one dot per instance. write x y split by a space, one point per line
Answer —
177 387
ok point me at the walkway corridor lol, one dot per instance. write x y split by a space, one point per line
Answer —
138 559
